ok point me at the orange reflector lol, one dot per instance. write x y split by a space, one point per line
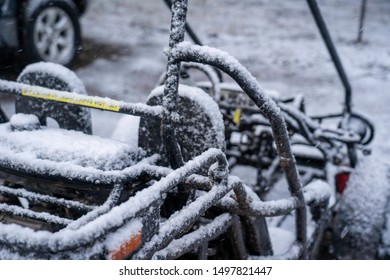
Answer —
127 248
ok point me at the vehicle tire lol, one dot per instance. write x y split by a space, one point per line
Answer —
51 31
199 124
360 218
58 77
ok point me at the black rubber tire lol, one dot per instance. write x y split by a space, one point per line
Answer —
198 129
360 217
65 9
58 77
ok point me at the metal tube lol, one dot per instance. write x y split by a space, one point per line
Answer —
197 239
315 11
36 197
188 28
171 85
361 20
194 37
105 104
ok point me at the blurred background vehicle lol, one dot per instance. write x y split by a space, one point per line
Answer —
40 30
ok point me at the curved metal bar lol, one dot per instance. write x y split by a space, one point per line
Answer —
314 193
225 62
210 74
207 70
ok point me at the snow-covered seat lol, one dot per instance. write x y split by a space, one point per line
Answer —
51 152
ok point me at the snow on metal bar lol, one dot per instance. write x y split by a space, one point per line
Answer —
316 192
181 220
28 240
9 87
211 74
261 208
204 54
195 239
199 182
107 205
176 35
45 217
339 135
35 197
106 104
299 115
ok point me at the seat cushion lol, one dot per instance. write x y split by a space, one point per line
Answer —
60 145
65 153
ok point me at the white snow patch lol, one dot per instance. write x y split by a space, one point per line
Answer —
56 70
24 122
281 239
126 130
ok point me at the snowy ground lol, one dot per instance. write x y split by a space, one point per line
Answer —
276 40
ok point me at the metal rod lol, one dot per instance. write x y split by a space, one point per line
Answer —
197 239
361 20
182 220
188 28
105 104
35 197
237 239
194 37
171 85
14 210
111 201
315 11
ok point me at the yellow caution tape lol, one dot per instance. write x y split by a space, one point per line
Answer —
98 104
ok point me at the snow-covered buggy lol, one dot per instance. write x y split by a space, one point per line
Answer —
67 194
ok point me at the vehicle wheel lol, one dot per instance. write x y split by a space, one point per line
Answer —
199 124
360 218
58 77
51 31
